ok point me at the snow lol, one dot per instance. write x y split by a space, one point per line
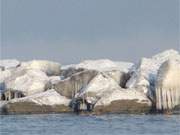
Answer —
49 97
27 81
144 74
103 89
98 86
100 83
54 79
123 94
49 67
102 65
116 75
33 78
168 54
5 74
9 63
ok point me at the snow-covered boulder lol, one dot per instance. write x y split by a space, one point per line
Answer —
73 84
99 86
54 79
123 101
27 81
46 102
119 76
143 75
49 97
9 63
168 86
117 70
49 67
107 96
101 65
69 71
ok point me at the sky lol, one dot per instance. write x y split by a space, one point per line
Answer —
69 31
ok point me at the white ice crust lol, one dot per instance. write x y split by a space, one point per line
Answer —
143 75
49 97
102 65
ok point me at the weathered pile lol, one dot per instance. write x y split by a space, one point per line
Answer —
94 86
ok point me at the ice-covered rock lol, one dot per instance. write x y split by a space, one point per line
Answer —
109 86
3 76
168 86
99 86
119 76
54 79
49 97
71 85
143 75
107 96
27 81
49 67
9 63
101 65
123 101
46 102
68 72
117 70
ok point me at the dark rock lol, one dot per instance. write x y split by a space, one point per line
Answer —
32 108
123 106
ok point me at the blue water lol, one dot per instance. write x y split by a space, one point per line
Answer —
69 124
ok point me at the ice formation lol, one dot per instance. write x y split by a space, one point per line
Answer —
104 84
54 79
3 76
99 86
122 94
8 64
49 67
143 75
168 85
49 97
73 84
27 81
117 70
102 65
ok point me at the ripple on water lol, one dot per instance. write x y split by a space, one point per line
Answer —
70 124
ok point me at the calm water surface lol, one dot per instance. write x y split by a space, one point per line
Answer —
69 124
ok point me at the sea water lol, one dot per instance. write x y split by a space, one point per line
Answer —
70 124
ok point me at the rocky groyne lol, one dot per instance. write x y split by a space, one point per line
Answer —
92 86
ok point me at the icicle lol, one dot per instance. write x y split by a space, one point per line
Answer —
158 99
167 99
164 99
168 86
169 102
